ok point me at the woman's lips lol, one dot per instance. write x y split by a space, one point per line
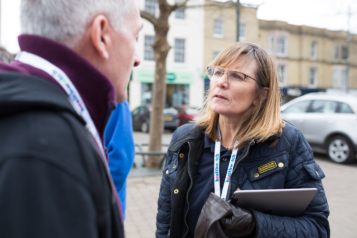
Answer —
219 97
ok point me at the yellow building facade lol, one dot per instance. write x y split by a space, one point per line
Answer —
310 59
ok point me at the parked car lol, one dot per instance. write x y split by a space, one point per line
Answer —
186 114
328 122
141 118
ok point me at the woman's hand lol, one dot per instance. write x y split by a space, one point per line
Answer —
240 224
219 218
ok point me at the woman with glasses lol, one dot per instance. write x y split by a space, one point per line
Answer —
240 143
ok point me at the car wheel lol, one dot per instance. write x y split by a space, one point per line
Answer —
340 150
144 127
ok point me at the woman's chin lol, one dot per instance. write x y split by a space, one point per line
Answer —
218 109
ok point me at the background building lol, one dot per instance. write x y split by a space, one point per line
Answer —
184 62
310 59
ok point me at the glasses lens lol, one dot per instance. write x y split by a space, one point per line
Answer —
217 73
210 71
236 76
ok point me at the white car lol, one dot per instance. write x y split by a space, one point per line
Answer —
328 122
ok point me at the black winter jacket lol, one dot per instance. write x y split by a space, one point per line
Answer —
297 169
53 182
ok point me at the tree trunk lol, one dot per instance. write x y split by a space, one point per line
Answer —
161 49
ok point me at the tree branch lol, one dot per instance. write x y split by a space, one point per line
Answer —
180 5
227 4
149 17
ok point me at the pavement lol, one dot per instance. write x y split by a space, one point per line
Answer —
144 184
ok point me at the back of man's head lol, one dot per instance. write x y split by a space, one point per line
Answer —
65 21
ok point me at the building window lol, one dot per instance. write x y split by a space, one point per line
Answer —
179 50
271 43
314 50
344 78
336 55
335 77
150 6
283 75
148 50
215 54
242 32
344 52
313 77
340 77
180 13
218 28
281 46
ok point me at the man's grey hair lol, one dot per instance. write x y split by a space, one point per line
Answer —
65 21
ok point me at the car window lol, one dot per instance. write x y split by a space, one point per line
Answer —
323 106
142 110
299 107
135 111
345 108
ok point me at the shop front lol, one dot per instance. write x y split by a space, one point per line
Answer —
177 86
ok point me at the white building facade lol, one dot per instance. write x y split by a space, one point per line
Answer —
184 79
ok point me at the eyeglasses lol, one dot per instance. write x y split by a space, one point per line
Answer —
214 73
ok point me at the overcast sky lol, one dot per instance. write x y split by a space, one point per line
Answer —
330 14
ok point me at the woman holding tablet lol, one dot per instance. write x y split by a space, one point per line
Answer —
240 143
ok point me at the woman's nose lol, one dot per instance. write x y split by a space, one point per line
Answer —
223 80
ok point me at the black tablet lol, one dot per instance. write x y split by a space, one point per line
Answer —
281 202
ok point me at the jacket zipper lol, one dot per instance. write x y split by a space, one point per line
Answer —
250 144
189 174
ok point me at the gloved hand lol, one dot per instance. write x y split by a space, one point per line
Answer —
219 218
240 224
207 225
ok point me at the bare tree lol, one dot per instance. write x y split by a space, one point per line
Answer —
161 49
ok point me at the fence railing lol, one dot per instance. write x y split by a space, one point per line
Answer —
144 153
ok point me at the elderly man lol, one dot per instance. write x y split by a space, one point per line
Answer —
55 98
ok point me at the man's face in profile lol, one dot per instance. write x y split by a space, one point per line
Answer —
124 55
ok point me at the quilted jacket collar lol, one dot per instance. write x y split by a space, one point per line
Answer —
197 133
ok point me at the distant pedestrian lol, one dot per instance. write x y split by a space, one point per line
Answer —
240 143
55 99
119 142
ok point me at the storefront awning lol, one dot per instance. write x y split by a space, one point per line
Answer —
172 77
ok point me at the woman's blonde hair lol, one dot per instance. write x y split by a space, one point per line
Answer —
265 119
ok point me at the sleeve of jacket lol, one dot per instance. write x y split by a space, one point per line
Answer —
40 199
120 145
163 217
303 172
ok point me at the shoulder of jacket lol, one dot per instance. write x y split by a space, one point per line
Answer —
183 130
290 132
185 133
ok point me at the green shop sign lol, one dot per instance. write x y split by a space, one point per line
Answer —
173 77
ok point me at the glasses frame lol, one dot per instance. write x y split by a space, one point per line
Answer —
227 70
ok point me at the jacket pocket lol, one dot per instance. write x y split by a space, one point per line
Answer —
267 166
170 170
314 170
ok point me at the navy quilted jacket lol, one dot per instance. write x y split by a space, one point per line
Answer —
299 170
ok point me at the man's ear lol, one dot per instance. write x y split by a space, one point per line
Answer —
100 36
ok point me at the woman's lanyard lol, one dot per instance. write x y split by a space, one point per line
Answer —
67 85
217 152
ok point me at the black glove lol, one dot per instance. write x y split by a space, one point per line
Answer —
219 219
240 223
